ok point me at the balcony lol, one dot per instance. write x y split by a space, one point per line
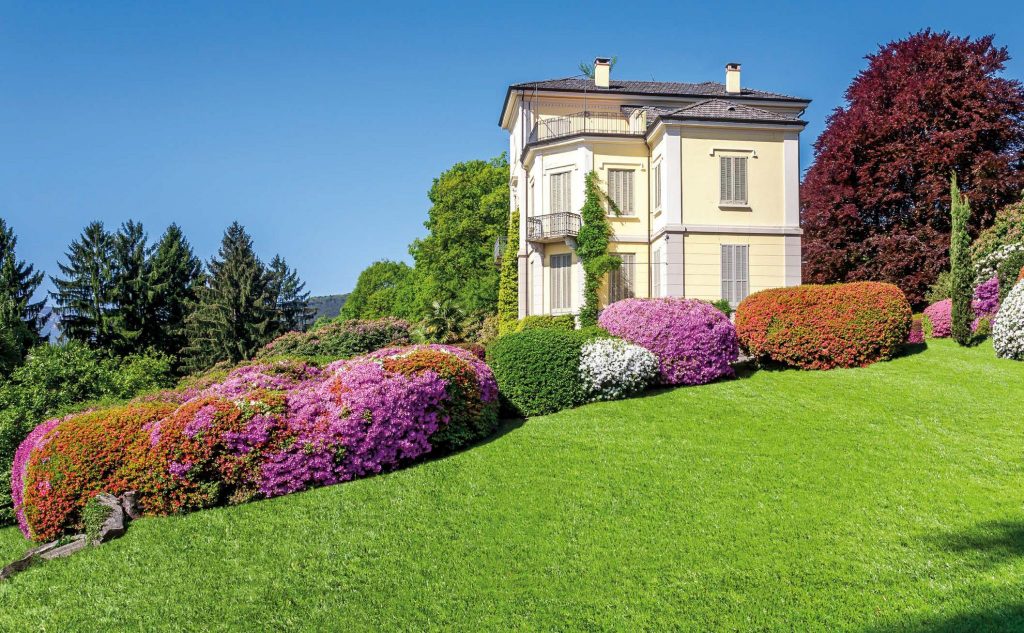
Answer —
587 123
553 227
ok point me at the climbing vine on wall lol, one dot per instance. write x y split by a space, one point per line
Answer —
508 282
592 246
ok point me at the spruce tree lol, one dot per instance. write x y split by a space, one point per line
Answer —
130 308
235 315
174 271
290 298
83 293
18 283
960 265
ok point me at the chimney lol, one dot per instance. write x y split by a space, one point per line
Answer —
732 78
602 71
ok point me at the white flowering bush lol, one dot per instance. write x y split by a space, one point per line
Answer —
988 266
1008 329
611 369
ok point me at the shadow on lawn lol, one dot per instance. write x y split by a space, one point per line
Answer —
1008 617
988 543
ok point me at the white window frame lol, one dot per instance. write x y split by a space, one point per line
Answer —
622 279
733 181
622 189
656 272
657 186
563 194
561 282
735 273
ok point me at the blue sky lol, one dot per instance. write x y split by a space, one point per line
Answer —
321 126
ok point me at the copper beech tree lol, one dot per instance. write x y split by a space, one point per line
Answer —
876 203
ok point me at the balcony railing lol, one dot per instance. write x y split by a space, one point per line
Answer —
553 227
585 123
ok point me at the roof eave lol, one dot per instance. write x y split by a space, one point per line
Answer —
684 95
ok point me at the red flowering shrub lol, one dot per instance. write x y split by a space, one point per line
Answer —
822 327
83 455
916 336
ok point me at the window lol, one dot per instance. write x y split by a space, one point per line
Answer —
561 284
620 189
657 187
560 192
735 273
733 182
620 280
656 272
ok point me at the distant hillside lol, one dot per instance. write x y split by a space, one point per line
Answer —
327 306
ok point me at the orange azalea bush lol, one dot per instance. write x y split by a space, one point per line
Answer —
822 327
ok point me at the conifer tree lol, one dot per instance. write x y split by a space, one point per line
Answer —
960 264
18 283
130 308
235 315
289 296
174 271
82 296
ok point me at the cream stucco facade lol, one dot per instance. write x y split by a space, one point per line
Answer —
707 176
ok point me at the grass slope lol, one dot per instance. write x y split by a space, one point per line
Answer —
881 499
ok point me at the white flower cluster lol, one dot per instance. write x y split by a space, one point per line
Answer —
612 369
986 267
1008 329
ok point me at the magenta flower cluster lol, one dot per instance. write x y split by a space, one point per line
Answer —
695 343
986 301
940 317
36 438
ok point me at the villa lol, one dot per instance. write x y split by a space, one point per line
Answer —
706 178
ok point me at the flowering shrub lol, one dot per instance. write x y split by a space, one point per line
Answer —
939 319
986 302
340 339
694 342
822 327
916 335
1008 328
988 266
263 430
612 369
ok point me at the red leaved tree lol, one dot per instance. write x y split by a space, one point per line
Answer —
876 200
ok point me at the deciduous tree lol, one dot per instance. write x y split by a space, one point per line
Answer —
875 201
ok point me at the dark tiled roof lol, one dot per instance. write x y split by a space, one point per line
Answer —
713 110
666 88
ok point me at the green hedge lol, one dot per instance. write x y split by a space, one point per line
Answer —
538 369
565 322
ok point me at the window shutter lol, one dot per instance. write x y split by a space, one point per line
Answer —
566 192
742 272
740 179
725 183
555 182
629 192
561 279
656 273
727 273
657 186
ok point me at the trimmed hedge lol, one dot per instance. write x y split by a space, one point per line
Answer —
694 341
538 370
339 339
565 322
822 327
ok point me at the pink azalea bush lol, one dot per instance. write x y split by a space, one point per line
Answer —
264 430
695 343
939 316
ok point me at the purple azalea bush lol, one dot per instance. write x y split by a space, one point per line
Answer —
695 343
985 302
940 318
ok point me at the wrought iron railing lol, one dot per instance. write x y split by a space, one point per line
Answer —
553 226
584 123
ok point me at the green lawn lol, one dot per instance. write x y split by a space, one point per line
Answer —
882 499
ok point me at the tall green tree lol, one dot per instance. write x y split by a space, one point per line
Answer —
592 247
18 284
236 314
508 282
130 300
83 291
174 271
960 264
469 210
289 296
384 288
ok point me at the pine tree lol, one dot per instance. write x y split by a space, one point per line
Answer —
82 298
508 282
960 264
235 315
174 271
290 297
130 308
18 283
